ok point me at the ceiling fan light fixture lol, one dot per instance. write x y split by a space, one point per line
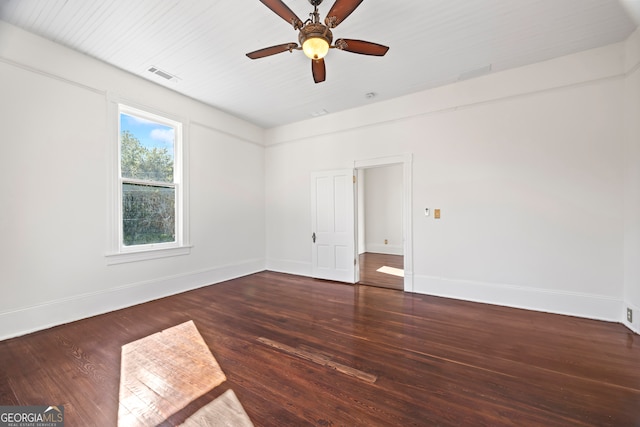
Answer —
315 47
315 40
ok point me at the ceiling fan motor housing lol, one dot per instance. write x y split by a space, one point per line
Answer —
315 29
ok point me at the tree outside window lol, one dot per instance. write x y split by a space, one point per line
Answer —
148 179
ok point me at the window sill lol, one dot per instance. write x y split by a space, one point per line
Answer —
124 257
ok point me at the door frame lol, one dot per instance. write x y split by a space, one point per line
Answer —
406 160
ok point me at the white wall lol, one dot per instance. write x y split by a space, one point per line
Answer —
526 166
53 220
632 179
536 171
383 209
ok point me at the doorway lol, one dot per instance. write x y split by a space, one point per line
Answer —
383 206
382 270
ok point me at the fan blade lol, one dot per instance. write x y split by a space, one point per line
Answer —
319 70
268 51
283 11
361 47
339 12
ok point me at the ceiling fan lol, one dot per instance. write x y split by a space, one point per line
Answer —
315 37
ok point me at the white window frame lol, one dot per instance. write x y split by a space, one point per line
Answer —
117 252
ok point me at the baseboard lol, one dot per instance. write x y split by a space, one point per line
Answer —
52 313
583 305
384 249
289 267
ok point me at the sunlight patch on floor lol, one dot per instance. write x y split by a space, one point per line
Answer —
226 410
391 270
162 373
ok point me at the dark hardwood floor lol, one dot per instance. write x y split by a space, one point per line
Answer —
369 274
291 349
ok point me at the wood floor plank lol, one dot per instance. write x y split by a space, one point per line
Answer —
321 359
436 361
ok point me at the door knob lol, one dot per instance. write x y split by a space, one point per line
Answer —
313 237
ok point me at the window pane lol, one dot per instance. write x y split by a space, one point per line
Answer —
146 149
148 214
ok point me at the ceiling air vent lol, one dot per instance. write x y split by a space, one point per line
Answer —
319 113
475 73
163 74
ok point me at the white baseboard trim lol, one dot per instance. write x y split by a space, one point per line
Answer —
384 249
42 316
583 305
52 313
289 267
635 325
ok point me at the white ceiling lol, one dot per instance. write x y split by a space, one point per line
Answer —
432 43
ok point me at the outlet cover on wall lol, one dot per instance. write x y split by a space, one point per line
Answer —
629 315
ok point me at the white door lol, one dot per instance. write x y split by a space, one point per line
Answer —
332 222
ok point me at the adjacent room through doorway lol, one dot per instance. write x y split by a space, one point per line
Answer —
380 226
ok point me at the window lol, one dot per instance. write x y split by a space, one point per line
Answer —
149 201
